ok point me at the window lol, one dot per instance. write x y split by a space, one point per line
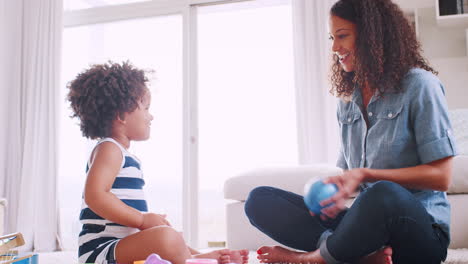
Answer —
150 43
247 115
84 4
246 106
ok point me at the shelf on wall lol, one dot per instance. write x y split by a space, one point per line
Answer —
460 20
455 20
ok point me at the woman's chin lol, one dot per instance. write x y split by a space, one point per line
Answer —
347 68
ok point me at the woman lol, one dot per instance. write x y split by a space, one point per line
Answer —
396 147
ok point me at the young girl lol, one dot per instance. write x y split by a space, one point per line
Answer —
112 103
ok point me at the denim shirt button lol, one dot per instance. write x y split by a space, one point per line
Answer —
349 119
390 115
370 113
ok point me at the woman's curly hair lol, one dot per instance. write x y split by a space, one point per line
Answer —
104 92
386 47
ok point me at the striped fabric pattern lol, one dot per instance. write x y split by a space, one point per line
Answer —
99 236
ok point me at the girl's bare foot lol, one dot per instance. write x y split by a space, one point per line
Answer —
277 254
222 255
239 256
381 256
227 256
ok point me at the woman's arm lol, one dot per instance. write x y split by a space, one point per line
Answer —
434 175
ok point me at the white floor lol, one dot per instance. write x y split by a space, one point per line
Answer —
59 257
458 256
70 257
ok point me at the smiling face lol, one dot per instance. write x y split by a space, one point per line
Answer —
138 122
343 34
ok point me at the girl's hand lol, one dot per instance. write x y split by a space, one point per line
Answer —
347 184
152 220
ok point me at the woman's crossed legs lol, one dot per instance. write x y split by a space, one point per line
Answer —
385 220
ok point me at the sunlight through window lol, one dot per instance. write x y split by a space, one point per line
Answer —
247 115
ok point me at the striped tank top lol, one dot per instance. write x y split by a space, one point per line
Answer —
99 236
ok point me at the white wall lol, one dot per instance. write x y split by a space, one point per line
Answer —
453 72
439 42
407 4
446 50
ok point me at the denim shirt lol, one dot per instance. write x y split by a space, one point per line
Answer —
406 129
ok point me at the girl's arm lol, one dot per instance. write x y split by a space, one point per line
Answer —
105 165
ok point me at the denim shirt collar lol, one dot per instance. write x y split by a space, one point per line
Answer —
357 97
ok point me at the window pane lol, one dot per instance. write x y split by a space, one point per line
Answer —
154 43
69 5
246 99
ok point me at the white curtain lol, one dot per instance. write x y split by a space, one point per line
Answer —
316 108
31 37
3 101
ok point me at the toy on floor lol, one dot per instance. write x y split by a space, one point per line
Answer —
8 242
8 255
153 259
317 191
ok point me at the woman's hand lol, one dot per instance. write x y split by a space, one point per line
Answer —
347 184
152 220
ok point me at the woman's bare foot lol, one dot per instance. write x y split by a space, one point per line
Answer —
277 254
381 256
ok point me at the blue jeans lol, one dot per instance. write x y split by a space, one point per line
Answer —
384 214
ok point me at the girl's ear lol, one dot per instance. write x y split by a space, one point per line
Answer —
121 118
